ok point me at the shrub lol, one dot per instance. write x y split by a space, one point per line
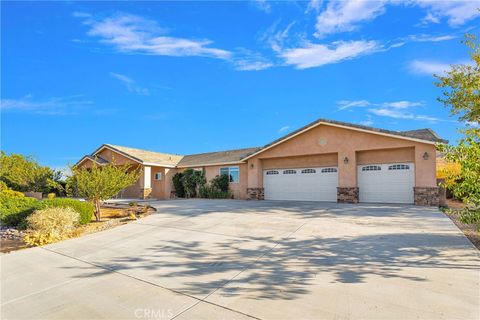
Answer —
221 182
192 180
209 191
50 225
15 207
85 209
178 185
51 195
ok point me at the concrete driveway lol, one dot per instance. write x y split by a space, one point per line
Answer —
226 259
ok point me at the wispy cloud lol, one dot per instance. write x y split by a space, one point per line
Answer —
403 104
400 114
348 15
402 109
367 122
428 67
134 34
262 5
52 106
251 61
314 6
315 55
130 84
283 129
341 16
346 104
456 12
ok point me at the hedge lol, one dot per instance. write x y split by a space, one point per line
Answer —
14 209
85 209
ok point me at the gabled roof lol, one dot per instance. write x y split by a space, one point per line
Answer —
420 135
220 157
98 160
425 134
144 156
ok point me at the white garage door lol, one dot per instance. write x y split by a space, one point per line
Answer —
309 184
387 183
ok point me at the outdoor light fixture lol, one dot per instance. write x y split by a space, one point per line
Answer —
345 160
251 165
425 156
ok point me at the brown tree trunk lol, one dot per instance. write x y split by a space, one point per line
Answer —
97 209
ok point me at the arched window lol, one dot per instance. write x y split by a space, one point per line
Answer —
289 171
309 171
371 168
272 172
329 170
399 167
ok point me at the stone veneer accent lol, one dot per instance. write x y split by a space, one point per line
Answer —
347 194
255 194
426 196
145 193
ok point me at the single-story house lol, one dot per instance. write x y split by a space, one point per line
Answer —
325 160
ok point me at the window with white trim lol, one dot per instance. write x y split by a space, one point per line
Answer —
371 168
158 176
233 173
289 171
272 172
329 170
309 171
399 167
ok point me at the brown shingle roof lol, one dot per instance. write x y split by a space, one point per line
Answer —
148 156
216 157
424 134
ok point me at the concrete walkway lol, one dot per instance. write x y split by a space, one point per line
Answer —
227 259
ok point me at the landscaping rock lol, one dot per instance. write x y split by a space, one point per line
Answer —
9 233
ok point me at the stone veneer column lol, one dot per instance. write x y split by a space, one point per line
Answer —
347 194
255 194
426 196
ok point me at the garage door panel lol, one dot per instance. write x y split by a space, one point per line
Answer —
387 183
309 184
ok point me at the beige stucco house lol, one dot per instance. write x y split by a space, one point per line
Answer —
324 161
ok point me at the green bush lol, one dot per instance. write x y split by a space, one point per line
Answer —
221 182
210 191
85 209
14 209
178 185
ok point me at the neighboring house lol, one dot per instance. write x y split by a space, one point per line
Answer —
323 161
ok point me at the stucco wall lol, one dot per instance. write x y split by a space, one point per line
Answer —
238 190
348 144
317 160
386 156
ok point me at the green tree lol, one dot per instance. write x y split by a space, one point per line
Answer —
102 182
461 93
192 180
23 173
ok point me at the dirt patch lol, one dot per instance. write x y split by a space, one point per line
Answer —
469 230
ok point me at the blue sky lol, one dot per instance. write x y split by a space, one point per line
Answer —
189 77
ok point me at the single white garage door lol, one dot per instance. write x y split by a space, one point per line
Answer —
308 184
387 183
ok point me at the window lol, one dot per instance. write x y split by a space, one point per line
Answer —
289 171
232 172
158 176
371 168
399 167
329 170
272 172
308 171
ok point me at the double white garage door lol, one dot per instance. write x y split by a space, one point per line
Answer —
387 183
